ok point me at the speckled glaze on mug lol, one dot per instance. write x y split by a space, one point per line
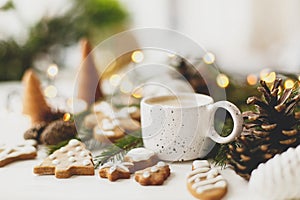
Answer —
183 129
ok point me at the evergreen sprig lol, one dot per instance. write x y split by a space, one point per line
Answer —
117 150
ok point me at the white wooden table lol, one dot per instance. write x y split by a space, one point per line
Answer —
17 180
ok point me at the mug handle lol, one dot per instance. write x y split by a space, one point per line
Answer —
237 121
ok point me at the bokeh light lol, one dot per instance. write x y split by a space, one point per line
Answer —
137 56
126 86
222 80
289 83
67 117
267 76
50 91
115 79
209 58
52 70
138 93
252 79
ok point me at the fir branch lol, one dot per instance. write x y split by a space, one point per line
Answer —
220 158
219 152
117 150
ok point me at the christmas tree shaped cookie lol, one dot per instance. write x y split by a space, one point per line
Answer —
72 159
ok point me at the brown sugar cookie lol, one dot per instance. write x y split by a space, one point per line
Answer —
206 183
134 113
115 171
129 125
141 158
92 120
72 159
23 151
108 131
155 175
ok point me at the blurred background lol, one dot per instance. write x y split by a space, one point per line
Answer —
247 40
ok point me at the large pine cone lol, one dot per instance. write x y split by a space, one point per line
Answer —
271 129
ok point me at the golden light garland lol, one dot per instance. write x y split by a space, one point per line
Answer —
138 93
67 117
252 79
222 80
137 56
126 86
52 71
289 83
209 58
268 77
50 91
115 79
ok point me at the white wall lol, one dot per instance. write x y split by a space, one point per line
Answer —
246 36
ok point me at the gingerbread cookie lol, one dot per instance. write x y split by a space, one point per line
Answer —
115 171
72 159
129 125
155 175
23 151
104 108
91 120
141 158
203 182
134 113
108 131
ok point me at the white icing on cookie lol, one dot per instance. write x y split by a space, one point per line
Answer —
63 149
140 154
72 159
78 149
200 163
55 162
161 164
52 156
30 142
107 125
74 142
104 108
132 109
8 151
83 154
146 174
70 153
154 169
108 133
123 166
204 178
86 162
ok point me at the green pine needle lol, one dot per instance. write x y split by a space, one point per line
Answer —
117 150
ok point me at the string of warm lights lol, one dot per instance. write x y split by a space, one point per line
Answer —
50 91
127 87
222 80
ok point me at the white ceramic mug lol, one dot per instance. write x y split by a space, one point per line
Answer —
181 127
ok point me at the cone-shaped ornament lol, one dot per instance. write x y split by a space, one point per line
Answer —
34 102
89 83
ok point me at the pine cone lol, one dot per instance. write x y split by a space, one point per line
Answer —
271 129
58 131
35 131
